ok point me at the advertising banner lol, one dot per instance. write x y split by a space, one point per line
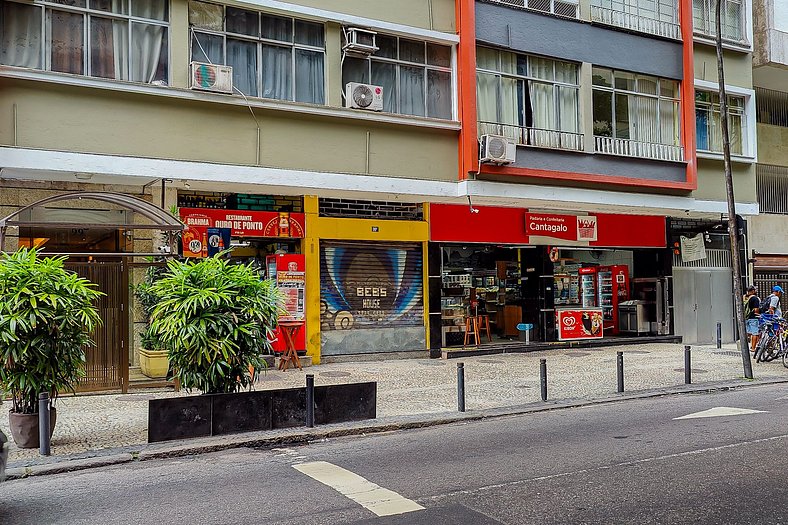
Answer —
244 223
579 323
218 240
564 227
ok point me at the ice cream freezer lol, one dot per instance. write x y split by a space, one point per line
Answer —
636 316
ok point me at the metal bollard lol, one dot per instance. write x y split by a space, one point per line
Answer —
310 400
44 424
543 377
461 387
620 371
719 335
687 365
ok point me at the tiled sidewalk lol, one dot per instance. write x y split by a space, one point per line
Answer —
421 386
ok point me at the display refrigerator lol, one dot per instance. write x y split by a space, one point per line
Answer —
612 288
288 271
588 286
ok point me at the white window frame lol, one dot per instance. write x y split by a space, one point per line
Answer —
86 12
749 134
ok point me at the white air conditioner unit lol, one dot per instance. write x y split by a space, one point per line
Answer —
495 149
359 42
211 77
363 96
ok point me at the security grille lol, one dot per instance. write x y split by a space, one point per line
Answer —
766 280
732 19
772 107
772 186
714 259
564 8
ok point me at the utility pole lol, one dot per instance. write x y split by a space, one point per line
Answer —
733 227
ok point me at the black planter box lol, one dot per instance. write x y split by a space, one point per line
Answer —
217 414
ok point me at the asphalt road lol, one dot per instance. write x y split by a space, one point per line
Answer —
628 462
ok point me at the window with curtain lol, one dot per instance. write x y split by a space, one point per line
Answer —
514 92
708 123
416 76
115 39
635 107
271 56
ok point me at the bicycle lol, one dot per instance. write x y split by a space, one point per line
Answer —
773 342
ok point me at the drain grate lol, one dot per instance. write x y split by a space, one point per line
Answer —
432 363
728 354
490 361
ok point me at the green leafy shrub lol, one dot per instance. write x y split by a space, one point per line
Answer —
214 318
148 301
47 314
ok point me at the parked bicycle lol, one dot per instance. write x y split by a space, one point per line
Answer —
773 342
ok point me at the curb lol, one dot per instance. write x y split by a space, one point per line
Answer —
301 435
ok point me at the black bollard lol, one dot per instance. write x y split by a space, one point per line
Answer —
543 377
310 400
44 424
461 387
687 365
719 335
620 370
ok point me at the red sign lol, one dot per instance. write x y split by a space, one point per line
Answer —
578 324
244 223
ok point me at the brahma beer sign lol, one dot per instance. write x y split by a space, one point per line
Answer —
578 324
582 228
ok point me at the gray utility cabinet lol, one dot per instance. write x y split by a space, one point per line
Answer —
637 317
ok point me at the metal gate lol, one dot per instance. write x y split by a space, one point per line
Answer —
107 362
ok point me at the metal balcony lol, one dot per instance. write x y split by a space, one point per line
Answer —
634 22
534 137
636 148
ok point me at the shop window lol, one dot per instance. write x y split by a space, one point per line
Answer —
119 39
271 56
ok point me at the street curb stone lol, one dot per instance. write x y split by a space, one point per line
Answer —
301 435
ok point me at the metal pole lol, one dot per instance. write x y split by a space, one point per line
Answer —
310 400
687 365
620 370
543 377
461 387
719 335
43 424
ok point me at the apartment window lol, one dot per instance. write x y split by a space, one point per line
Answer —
771 107
732 19
708 124
635 107
116 39
271 56
416 76
520 91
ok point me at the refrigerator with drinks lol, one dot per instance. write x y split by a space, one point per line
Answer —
612 288
588 286
288 271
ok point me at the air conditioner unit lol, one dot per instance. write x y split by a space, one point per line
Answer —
363 96
496 150
211 77
360 42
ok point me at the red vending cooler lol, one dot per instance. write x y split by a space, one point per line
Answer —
612 289
587 286
288 271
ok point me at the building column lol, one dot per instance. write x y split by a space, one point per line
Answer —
310 247
587 106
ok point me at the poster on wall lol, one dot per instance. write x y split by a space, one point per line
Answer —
371 287
579 324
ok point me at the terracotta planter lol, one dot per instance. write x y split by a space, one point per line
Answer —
154 363
24 428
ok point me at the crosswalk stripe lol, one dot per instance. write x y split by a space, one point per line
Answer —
721 412
382 502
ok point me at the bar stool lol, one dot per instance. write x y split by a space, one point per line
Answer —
471 329
483 325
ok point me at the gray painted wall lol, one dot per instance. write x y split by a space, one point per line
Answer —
628 167
577 41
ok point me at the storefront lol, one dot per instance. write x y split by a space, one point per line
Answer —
600 275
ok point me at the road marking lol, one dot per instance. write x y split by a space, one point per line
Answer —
721 411
382 502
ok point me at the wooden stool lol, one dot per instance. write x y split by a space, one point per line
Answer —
483 325
471 329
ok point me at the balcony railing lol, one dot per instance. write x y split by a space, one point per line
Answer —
538 138
634 22
565 8
771 183
732 19
771 107
635 148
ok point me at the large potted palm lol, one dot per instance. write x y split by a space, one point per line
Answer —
47 314
215 318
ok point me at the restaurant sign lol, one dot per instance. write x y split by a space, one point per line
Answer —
246 223
581 228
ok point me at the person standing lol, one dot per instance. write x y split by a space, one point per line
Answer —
752 305
772 303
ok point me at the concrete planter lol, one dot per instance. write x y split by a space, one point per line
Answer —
154 363
24 428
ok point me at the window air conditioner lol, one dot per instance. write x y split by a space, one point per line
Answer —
359 42
211 77
494 149
363 96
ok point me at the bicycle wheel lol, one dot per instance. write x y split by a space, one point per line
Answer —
760 348
772 349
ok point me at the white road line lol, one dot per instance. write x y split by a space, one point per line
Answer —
720 412
382 502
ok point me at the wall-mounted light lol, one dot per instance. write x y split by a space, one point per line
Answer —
83 176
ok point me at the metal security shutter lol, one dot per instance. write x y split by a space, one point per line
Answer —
371 297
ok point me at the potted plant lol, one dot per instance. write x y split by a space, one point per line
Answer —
47 314
154 362
215 318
